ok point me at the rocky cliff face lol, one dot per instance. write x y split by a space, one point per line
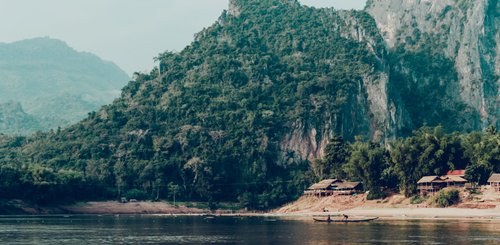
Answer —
437 63
464 31
368 110
459 88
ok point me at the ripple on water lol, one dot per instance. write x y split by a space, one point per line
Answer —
222 230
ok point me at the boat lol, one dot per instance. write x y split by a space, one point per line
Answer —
344 220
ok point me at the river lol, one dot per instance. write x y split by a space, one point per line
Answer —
229 230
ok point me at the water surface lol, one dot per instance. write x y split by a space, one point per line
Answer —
230 230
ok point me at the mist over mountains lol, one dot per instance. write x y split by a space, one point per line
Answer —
53 84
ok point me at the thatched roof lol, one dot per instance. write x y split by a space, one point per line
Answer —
323 184
453 178
348 185
494 178
446 178
429 179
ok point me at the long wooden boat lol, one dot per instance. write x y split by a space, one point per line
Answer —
345 220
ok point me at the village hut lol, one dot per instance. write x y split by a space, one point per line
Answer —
494 182
453 181
429 184
322 188
347 188
432 184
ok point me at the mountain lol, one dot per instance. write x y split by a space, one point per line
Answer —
241 112
54 83
14 119
445 59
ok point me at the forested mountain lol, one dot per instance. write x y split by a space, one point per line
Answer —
53 83
238 114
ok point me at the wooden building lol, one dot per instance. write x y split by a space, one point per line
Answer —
322 188
429 185
494 182
347 188
453 181
432 184
331 187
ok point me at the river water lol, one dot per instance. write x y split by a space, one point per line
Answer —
230 230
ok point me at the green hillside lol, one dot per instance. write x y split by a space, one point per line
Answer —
245 113
54 83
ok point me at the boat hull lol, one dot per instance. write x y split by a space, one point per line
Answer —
344 220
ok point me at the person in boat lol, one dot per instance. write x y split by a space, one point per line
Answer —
345 216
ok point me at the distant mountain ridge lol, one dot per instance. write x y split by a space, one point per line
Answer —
54 83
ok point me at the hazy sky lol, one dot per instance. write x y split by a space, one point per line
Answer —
127 32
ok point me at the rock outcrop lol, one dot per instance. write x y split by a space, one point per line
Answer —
459 88
464 31
368 110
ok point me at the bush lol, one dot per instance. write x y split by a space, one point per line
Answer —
136 194
417 199
446 197
373 195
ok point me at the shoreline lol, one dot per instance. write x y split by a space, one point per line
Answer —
165 209
413 213
303 217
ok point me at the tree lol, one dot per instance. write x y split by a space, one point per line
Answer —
483 152
320 169
173 189
336 156
491 130
367 162
404 158
479 172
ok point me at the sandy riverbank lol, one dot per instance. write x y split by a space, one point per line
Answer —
410 213
484 206
113 207
103 207
161 208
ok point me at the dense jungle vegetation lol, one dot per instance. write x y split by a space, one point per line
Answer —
208 124
398 166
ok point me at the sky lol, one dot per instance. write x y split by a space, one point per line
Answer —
129 33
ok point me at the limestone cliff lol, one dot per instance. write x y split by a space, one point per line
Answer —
436 63
368 110
464 31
